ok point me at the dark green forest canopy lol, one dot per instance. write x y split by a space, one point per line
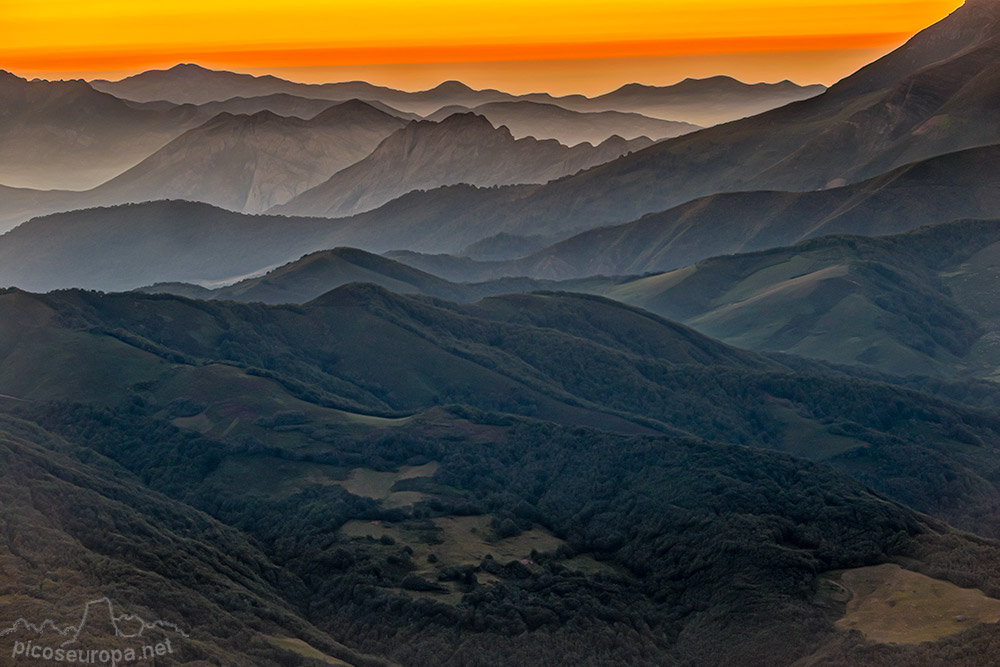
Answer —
691 533
657 539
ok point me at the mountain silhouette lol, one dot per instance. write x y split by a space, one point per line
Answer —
934 95
97 621
940 189
65 134
550 121
701 102
253 162
710 101
284 104
463 148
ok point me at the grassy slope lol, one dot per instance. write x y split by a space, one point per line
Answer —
891 604
912 303
957 185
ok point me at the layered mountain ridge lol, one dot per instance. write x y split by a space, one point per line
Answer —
462 148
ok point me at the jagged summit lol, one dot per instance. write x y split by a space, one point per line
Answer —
251 162
465 147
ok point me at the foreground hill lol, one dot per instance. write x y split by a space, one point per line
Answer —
463 148
282 424
570 359
380 592
73 511
549 121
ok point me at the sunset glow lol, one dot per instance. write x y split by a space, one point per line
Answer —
402 43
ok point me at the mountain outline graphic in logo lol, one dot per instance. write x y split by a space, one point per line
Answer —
97 614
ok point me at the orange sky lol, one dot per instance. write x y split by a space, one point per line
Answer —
561 46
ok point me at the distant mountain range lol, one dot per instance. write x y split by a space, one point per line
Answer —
800 147
283 104
932 96
462 148
318 273
701 102
143 137
124 247
957 185
252 162
549 121
704 102
131 245
344 160
523 118
65 134
88 251
241 162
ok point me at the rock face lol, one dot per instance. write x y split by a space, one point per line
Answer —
252 162
463 148
65 134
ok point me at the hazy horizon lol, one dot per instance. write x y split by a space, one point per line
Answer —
553 48
310 76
